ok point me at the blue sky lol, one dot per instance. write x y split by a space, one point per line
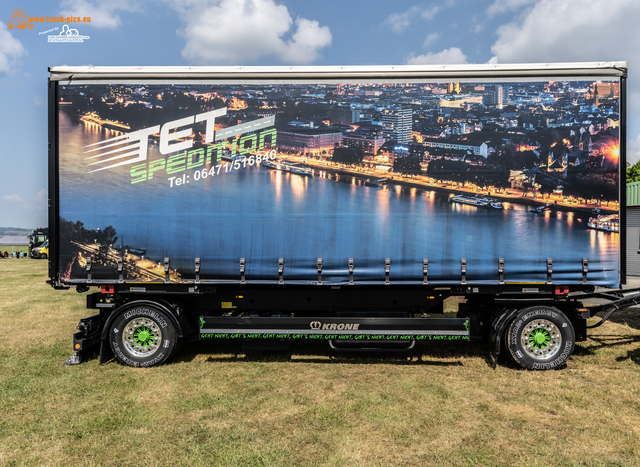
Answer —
285 32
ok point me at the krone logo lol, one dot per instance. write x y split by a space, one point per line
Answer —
317 325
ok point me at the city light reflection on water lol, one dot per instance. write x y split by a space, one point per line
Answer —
298 186
277 176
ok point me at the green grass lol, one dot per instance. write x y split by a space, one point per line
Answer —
214 404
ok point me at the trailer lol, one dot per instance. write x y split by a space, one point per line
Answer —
237 203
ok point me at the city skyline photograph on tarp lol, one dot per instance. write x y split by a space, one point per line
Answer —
369 177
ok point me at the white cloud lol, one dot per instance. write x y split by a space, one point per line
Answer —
103 14
10 50
227 31
42 196
305 42
400 21
430 39
447 56
570 30
430 12
502 6
577 30
633 150
13 197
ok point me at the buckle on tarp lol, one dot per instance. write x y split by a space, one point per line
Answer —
425 270
197 269
350 265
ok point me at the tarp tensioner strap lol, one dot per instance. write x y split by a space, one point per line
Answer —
88 268
197 270
387 268
463 270
350 263
425 270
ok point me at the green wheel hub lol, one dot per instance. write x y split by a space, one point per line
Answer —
541 339
142 337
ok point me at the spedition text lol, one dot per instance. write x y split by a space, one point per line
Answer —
240 150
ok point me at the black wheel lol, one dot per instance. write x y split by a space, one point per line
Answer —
540 338
43 256
142 336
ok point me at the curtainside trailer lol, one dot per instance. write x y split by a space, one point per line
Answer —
342 204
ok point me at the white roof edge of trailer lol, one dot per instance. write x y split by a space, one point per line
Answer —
617 68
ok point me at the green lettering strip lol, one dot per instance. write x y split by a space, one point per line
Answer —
308 336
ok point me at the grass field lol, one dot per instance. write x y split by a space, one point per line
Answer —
214 404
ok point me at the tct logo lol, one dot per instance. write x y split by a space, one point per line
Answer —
175 136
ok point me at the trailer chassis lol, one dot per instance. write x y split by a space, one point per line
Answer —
389 319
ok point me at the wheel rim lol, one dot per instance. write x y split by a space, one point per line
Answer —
142 337
541 339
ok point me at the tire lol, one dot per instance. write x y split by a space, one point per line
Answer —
540 338
142 336
43 256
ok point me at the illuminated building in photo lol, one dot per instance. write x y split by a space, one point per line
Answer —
460 101
309 141
369 139
494 96
453 88
480 149
343 116
397 124
611 90
400 151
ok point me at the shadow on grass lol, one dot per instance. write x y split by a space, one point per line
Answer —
601 342
633 355
319 352
435 355
581 351
627 316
